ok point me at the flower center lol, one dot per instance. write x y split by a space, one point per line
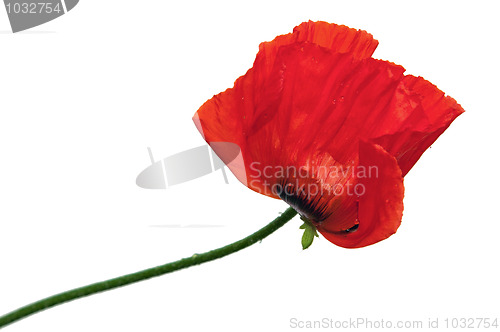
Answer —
307 198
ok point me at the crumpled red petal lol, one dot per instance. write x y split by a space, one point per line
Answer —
427 114
380 207
338 39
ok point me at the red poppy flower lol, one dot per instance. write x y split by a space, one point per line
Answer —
328 129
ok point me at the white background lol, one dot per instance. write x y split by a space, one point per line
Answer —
83 96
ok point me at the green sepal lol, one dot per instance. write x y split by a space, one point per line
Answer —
309 233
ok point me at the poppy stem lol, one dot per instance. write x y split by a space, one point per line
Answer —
127 279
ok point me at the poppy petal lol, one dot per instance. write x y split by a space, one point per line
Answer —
380 207
428 114
339 39
343 101
223 119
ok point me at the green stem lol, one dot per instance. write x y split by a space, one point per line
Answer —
127 279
